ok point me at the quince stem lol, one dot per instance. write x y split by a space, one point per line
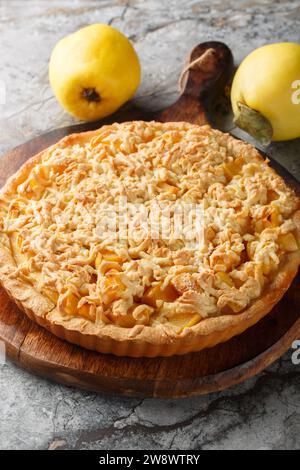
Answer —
254 123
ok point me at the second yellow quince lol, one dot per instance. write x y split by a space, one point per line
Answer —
265 92
94 71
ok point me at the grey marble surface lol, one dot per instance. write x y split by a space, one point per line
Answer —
262 413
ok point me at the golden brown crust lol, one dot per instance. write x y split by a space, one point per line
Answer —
140 340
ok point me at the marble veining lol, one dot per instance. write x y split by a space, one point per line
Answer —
262 413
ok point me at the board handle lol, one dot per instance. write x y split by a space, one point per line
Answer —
208 69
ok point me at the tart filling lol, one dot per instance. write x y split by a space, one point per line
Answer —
58 222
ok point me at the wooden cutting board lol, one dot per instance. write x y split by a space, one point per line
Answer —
210 370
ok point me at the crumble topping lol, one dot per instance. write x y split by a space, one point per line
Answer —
52 224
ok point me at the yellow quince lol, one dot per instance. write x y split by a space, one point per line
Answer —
94 71
265 93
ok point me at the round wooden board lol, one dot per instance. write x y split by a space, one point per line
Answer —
209 370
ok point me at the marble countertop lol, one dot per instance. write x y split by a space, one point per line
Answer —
263 412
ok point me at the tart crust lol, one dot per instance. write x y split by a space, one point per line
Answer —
140 340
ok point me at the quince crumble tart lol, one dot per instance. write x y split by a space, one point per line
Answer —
146 295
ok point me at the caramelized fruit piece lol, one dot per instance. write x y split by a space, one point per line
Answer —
125 321
169 188
35 184
154 293
224 277
287 242
251 249
275 219
272 219
19 240
86 311
193 321
112 288
59 168
14 210
231 308
232 169
209 233
235 307
52 295
70 304
108 266
32 188
107 139
71 307
268 266
172 136
272 195
17 246
108 255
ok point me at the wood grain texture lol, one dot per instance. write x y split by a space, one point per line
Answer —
209 370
